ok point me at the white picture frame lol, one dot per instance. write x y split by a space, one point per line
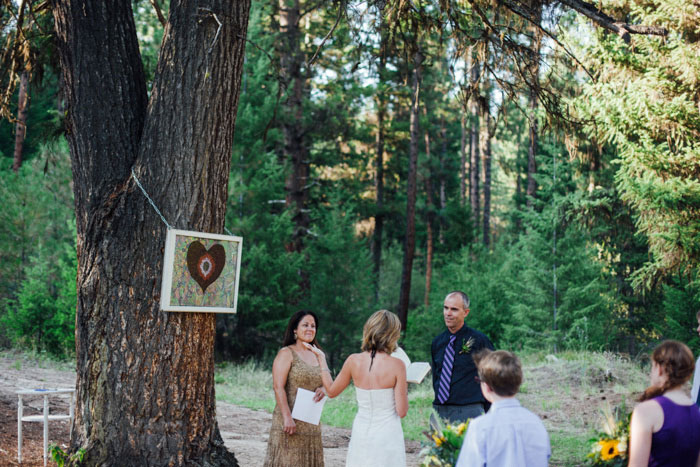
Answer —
200 278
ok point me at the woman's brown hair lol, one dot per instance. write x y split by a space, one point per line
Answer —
676 362
381 333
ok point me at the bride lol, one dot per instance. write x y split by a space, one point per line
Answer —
381 390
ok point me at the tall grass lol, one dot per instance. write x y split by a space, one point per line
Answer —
567 390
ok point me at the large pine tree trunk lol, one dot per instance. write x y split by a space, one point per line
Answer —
410 240
487 131
474 143
379 162
534 70
295 149
443 187
145 391
486 153
430 205
21 127
463 162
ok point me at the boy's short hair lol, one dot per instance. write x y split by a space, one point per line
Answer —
697 316
501 370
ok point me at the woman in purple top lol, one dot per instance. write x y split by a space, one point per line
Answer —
665 428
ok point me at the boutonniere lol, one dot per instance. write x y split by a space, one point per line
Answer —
467 346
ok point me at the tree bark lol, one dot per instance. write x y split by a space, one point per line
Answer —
486 154
487 131
474 143
21 127
623 29
295 148
429 262
410 243
463 163
379 162
430 205
534 70
443 188
145 389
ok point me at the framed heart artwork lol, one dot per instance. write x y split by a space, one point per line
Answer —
200 272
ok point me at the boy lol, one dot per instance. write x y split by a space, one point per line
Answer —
509 434
695 393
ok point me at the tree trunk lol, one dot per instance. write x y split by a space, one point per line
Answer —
21 128
443 188
463 163
534 70
295 149
410 243
429 262
487 131
379 162
474 136
145 389
486 153
430 205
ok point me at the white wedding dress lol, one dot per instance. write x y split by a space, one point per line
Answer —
377 436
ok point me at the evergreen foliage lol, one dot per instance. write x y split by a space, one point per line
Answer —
605 257
38 267
643 101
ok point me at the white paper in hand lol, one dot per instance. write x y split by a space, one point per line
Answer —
305 409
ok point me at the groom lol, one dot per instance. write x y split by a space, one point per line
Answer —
455 382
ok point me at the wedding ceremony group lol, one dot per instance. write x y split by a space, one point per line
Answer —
349 232
473 384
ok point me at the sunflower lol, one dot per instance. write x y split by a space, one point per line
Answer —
461 428
608 449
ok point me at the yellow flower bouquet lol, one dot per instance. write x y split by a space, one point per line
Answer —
444 445
609 447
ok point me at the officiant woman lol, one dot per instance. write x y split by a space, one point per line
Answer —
294 443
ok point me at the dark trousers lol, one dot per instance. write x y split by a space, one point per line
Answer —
459 413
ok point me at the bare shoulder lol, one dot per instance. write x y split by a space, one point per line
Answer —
397 365
351 360
355 358
648 410
397 362
284 354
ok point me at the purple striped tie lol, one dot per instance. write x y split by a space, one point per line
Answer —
446 374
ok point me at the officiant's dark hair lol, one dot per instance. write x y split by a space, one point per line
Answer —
289 338
676 362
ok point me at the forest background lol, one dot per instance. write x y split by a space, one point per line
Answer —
387 153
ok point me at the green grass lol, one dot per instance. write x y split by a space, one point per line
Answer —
567 449
567 391
250 385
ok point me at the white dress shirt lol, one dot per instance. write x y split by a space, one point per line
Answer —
508 435
696 382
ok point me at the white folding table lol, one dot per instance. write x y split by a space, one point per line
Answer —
41 418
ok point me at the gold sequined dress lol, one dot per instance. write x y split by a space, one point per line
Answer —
304 448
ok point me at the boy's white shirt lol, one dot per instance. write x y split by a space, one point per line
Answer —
504 436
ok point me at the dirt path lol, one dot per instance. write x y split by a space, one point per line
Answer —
244 431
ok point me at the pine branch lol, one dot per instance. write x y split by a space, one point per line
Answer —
622 29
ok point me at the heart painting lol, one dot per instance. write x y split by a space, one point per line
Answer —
205 266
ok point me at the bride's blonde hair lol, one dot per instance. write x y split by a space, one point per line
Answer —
381 332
